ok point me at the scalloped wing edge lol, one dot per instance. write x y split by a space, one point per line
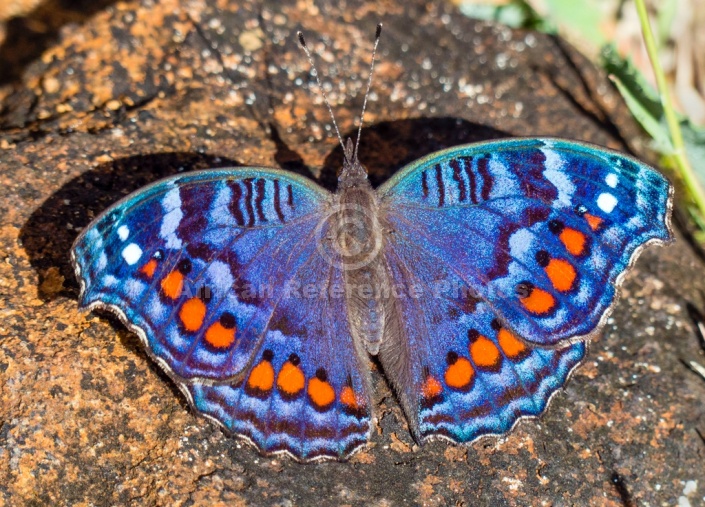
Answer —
182 383
525 417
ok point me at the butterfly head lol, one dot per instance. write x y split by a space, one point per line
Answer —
352 174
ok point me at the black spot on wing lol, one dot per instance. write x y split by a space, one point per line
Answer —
290 197
487 179
458 177
249 199
424 184
471 179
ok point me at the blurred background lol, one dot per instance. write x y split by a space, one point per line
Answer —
27 27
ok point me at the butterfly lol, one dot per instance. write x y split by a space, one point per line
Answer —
476 275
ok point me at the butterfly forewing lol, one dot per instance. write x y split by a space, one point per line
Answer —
541 229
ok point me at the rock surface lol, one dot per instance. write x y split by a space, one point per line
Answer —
143 89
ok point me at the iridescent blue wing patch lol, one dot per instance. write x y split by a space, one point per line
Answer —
541 229
208 269
465 374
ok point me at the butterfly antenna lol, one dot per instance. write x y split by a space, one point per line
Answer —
378 32
302 41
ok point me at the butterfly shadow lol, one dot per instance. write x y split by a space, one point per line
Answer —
388 146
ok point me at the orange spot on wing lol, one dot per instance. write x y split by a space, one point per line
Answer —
219 336
484 353
348 398
192 313
539 301
573 240
511 345
290 379
459 374
320 392
593 221
149 268
262 376
561 273
431 387
172 284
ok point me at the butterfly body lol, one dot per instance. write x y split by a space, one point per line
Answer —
476 275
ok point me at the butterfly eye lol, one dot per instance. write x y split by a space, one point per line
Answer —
294 359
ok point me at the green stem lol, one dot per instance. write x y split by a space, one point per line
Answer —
674 128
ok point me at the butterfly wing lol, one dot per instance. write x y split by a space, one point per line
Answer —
507 255
541 229
210 270
306 394
459 372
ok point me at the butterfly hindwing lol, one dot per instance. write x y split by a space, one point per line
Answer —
307 394
219 274
541 229
464 374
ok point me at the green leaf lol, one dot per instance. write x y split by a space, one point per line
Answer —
645 104
515 14
579 16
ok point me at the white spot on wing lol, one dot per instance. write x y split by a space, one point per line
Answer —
220 214
123 232
220 275
520 243
611 180
102 262
606 202
172 206
131 253
110 281
554 173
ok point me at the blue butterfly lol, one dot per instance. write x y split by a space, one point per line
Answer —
477 275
